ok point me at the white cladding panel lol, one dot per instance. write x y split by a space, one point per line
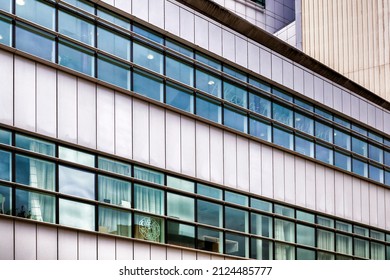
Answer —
7 239
188 255
230 159
356 200
172 22
216 155
267 188
289 178
310 185
158 252
123 125
255 167
86 117
87 246
124 249
187 29
188 146
105 120
141 251
203 151
320 189
201 32
46 243
67 107
157 136
7 88
300 182
173 254
106 248
254 55
279 173
172 136
124 5
243 164
67 244
25 241
156 12
298 79
140 131
348 197
140 9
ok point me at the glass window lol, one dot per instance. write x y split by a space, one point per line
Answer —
284 230
283 138
77 215
261 225
303 104
375 136
236 245
209 191
284 252
235 94
76 182
261 249
359 146
208 61
375 153
260 84
149 228
342 160
304 123
387 177
325 239
283 210
180 97
209 213
113 43
6 5
5 200
113 18
148 85
323 113
360 230
147 33
35 206
148 175
5 29
5 137
325 256
210 240
387 158
304 146
88 7
282 94
305 235
235 73
235 119
376 173
304 216
179 71
260 129
342 139
36 11
76 57
361 248
282 114
76 156
236 219
180 234
386 141
76 28
260 105
148 199
35 173
35 42
261 205
344 244
180 184
113 72
208 82
34 145
179 48
377 235
305 254
114 166
342 121
359 129
114 191
377 251
360 167
324 132
236 198
114 221
343 226
324 154
180 207
5 165
326 222
208 109
148 57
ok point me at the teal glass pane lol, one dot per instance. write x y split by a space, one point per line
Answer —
5 31
116 222
35 42
180 234
210 240
284 230
180 207
284 211
261 249
149 228
5 137
377 235
179 71
283 138
342 160
236 198
76 182
5 165
376 173
261 205
304 123
180 184
114 191
76 57
378 251
261 225
114 166
76 28
147 33
343 226
148 85
260 129
235 94
282 114
148 175
34 145
342 122
324 131
236 219
324 154
360 167
260 104
76 156
375 153
342 139
84 5
113 18
6 5
282 94
39 12
305 235
179 48
235 73
304 146
209 191
208 61
304 216
209 213
235 119
284 252
113 43
260 84
113 72
5 200
180 98
361 231
236 245
359 146
323 113
326 222
305 254
325 239
361 248
35 206
149 200
208 82
208 109
76 214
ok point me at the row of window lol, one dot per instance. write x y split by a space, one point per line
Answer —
86 191
279 118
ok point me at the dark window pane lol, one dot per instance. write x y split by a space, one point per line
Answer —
324 154
344 244
209 213
210 240
359 167
235 119
208 109
236 245
325 256
342 160
149 228
236 219
148 57
149 199
113 43
180 97
282 114
376 173
326 222
179 71
282 94
304 123
377 251
387 158
361 230
5 137
76 182
361 248
359 146
342 139
35 206
5 166
180 207
260 105
235 94
5 30
34 145
261 249
113 72
305 235
260 129
36 11
114 191
304 216
235 73
181 234
76 58
304 254
387 177
208 82
324 132
208 61
5 200
76 28
261 225
114 221
179 48
77 215
343 226
304 146
283 138
148 85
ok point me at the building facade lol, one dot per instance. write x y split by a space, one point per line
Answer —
166 129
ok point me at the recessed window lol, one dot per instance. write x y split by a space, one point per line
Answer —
76 214
283 138
236 245
148 85
113 43
180 97
37 11
114 221
360 167
148 57
114 166
208 109
149 199
76 28
304 146
76 182
208 82
324 154
114 191
113 72
324 131
304 123
342 139
113 18
180 184
76 57
235 94
179 71
148 175
180 207
179 48
210 240
209 191
35 206
260 129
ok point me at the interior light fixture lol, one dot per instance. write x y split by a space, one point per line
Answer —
211 83
298 119
20 2
1 37
149 56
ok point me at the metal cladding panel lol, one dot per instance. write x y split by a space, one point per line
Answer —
255 167
67 107
172 22
328 94
318 89
188 255
277 69
354 107
365 188
243 163
141 251
288 74
346 102
267 171
86 117
25 241
348 197
228 45
253 58
67 245
7 88
373 205
278 173
106 248
110 2
7 241
356 200
265 63
188 146
156 12
381 207
320 188
308 84
337 99
105 120
158 252
173 141
203 151
25 95
123 125
216 155
387 209
87 246
241 51
379 119
298 79
140 131
289 178
215 39
187 29
363 108
46 242
124 5
173 254
46 101
203 256
339 194
140 9
201 32
386 119
157 136
310 185
300 182
371 115
124 249
230 159
218 258
330 191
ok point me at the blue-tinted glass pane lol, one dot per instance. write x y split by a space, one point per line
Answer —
260 129
304 216
5 137
180 97
236 219
148 175
323 113
387 177
149 199
284 210
5 200
209 191
115 166
260 105
147 33
180 234
342 160
376 173
304 146
324 132
208 82
304 104
375 153
35 42
283 138
76 182
375 136
235 73
235 119
113 72
114 221
208 61
113 43
5 31
208 109
260 84
282 114
179 48
114 191
77 215
386 141
387 158
342 139
84 5
5 5
5 165
359 129
148 85
305 235
209 213
34 145
148 57
360 167
76 58
342 121
282 94
236 198
35 206
235 94
324 154
179 71
76 28
304 123
36 11
359 146
261 205
115 19
76 156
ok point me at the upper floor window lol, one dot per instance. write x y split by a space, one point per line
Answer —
260 2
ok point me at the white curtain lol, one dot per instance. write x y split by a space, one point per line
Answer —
377 251
361 248
284 231
325 240
115 167
114 191
148 175
344 244
148 200
114 222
